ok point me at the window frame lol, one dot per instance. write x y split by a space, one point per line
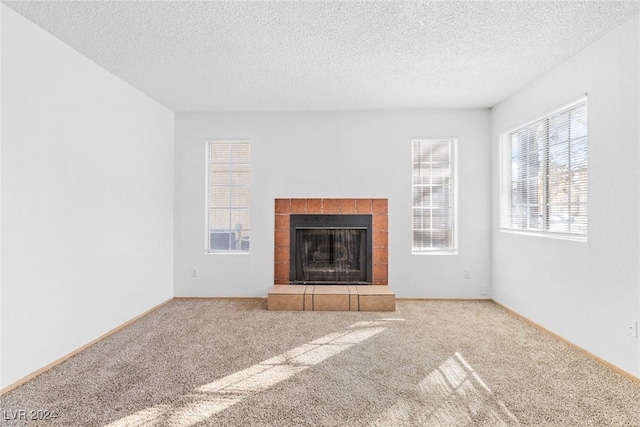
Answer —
452 249
208 249
505 157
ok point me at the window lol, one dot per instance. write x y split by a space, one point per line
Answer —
228 217
544 175
434 196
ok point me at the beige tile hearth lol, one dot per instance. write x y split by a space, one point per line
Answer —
376 298
286 298
331 298
354 304
308 298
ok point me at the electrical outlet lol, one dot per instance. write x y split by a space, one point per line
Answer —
194 272
631 327
467 273
483 290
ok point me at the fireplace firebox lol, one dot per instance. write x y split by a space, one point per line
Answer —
331 249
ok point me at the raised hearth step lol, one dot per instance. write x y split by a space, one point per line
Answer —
331 298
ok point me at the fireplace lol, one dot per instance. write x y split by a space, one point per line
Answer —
377 232
341 242
331 249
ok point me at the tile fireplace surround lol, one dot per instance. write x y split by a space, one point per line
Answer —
286 296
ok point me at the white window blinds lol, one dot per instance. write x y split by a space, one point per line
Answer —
228 222
434 198
545 175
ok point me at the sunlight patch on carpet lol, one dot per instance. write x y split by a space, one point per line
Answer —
376 322
452 394
145 418
212 398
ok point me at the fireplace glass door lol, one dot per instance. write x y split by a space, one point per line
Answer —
331 249
332 255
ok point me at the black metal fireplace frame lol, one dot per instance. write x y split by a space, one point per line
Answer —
335 221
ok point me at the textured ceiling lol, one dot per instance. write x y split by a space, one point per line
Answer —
301 55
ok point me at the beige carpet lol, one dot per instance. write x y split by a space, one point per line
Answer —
232 363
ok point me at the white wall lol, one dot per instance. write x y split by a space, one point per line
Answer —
333 154
87 188
1 132
583 291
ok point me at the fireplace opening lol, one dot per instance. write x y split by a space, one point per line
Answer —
330 249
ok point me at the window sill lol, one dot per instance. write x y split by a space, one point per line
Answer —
558 236
450 252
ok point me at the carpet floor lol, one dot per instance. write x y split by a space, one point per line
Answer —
200 362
